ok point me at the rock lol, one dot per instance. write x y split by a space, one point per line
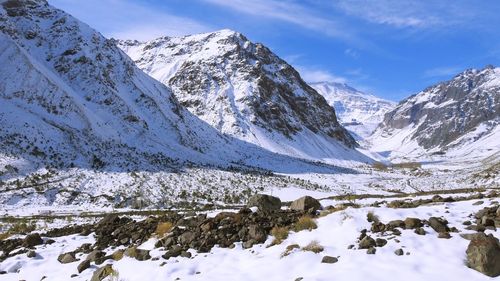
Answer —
487 221
138 254
329 259
467 223
419 231
117 255
185 254
165 242
497 213
50 241
469 236
480 202
265 203
94 255
175 251
411 223
350 247
396 223
32 240
186 238
371 251
399 252
66 257
248 244
367 242
257 233
380 242
31 254
444 235
102 273
438 224
83 265
483 255
306 203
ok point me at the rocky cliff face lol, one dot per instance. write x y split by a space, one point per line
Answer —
243 90
463 109
358 112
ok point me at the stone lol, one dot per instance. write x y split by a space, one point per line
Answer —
380 242
265 203
174 251
83 265
138 254
94 255
66 257
411 223
257 233
102 273
305 203
185 254
483 255
477 203
396 223
31 254
367 242
487 221
32 240
371 251
467 223
444 235
399 252
329 259
419 231
186 238
438 224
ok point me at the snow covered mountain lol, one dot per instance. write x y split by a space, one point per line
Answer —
71 98
457 117
358 112
243 90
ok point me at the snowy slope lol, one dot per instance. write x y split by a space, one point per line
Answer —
457 118
243 90
358 112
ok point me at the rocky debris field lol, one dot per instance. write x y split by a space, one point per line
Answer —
265 226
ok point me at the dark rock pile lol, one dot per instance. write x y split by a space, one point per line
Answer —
486 218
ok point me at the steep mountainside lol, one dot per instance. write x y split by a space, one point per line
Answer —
358 112
447 116
244 90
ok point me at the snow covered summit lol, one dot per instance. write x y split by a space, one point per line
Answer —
357 111
244 90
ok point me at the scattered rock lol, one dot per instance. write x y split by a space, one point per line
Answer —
31 254
367 242
380 242
32 240
265 203
419 231
83 265
306 204
256 233
102 273
480 202
329 259
138 254
438 224
399 252
483 255
411 223
66 257
371 251
444 235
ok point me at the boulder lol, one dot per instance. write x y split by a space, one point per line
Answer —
399 252
138 254
371 251
483 255
329 259
265 203
32 240
83 265
367 242
306 203
380 242
66 257
102 273
411 223
31 254
257 233
438 224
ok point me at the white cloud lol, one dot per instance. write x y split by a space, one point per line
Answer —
313 75
442 71
351 53
292 12
127 19
409 13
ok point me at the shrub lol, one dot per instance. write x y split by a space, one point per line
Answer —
408 165
379 166
162 228
371 217
314 247
305 222
289 249
280 234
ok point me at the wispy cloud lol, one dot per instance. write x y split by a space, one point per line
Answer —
295 13
410 13
126 19
314 75
351 53
442 71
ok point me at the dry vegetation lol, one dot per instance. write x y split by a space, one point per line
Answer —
305 222
314 247
163 228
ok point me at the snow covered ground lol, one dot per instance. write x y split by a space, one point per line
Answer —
426 257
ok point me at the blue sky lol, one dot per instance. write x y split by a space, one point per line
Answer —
390 48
